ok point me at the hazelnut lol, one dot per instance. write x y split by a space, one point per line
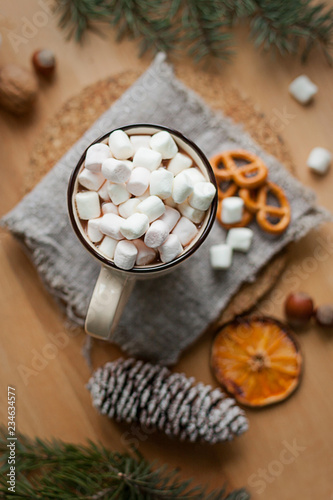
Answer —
324 316
18 89
44 62
298 308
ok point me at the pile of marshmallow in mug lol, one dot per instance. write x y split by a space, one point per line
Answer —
148 210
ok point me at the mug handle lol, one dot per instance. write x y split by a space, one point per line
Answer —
108 300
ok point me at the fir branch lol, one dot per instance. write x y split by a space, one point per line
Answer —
48 470
203 27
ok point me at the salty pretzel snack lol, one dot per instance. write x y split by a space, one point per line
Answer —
256 202
250 183
250 176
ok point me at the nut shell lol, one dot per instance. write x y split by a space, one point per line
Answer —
324 316
298 308
44 62
18 89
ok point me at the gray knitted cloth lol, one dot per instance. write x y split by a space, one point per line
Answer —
164 315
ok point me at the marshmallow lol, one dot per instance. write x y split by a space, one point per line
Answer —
118 193
93 231
202 196
319 160
170 249
87 204
108 246
220 256
125 255
116 171
129 207
147 158
139 181
240 238
171 216
303 89
95 156
179 163
164 144
195 175
103 192
120 145
110 225
134 226
182 187
185 230
161 182
109 208
152 206
232 210
144 196
191 213
140 141
91 180
145 255
156 234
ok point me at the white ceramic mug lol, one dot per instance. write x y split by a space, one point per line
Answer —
114 285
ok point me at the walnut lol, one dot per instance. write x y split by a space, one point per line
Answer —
18 89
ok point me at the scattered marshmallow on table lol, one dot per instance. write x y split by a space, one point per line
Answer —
118 193
303 89
152 206
103 192
156 234
110 225
182 187
185 230
191 213
91 180
134 226
202 196
232 209
145 255
220 256
120 145
138 181
147 158
125 254
95 156
179 163
170 249
319 160
140 141
164 144
161 182
171 216
240 238
128 207
93 231
108 246
87 204
110 208
117 171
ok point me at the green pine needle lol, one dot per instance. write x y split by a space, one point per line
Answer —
203 28
47 470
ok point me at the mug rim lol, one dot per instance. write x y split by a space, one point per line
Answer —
144 269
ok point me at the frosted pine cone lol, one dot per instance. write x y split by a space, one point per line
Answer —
134 391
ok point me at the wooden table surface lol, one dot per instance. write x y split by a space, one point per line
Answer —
52 400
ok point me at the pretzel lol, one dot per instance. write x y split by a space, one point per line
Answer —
248 176
256 203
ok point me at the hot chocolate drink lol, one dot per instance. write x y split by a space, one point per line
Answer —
141 200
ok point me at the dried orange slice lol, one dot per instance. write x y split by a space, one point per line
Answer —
257 360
